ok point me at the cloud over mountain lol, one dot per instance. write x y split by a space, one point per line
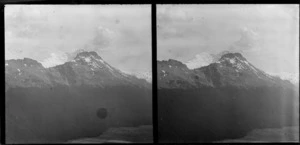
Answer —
54 60
171 14
248 41
103 38
168 17
200 60
36 31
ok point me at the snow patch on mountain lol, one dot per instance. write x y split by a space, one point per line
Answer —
95 65
91 60
240 66
232 61
164 72
110 69
237 61
19 72
253 68
88 59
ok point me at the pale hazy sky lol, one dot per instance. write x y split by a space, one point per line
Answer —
120 34
267 35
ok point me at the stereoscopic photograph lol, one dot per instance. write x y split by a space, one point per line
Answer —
228 73
78 74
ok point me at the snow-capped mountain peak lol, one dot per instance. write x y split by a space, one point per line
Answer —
237 61
91 59
232 56
88 56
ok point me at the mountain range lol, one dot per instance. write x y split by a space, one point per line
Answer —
87 68
62 103
232 69
204 59
224 99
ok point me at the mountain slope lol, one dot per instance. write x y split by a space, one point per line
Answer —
25 73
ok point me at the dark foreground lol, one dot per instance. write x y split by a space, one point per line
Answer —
141 134
216 114
285 134
60 114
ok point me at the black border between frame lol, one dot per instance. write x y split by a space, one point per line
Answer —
154 74
2 121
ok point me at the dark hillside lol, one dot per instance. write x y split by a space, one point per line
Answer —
63 113
211 114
